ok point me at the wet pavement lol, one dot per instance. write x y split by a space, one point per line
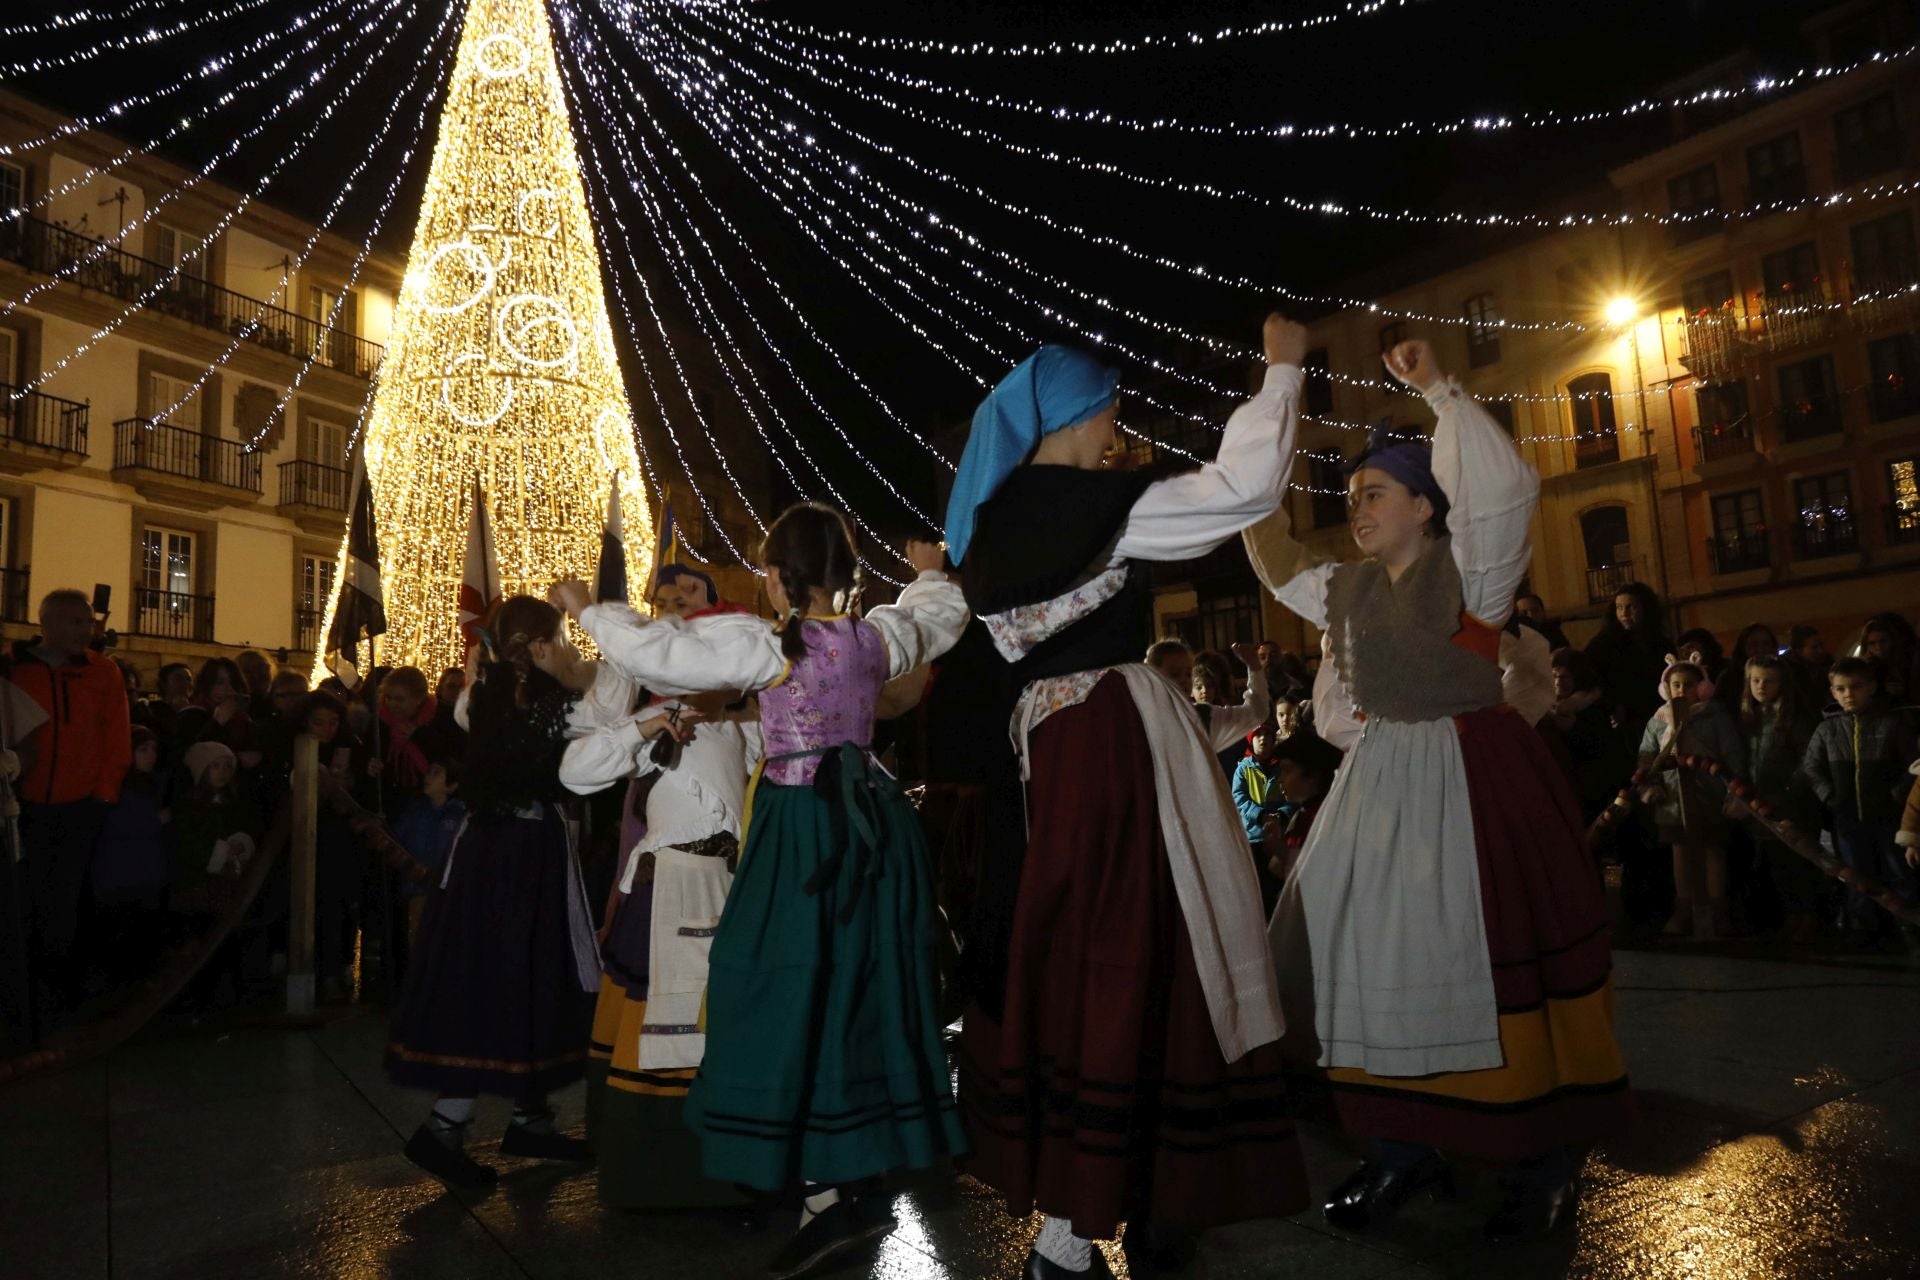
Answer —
1779 1137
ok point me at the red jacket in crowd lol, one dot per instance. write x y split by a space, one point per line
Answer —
87 743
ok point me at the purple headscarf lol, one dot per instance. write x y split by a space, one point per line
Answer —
1408 461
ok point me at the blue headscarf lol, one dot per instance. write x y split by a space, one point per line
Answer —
1054 388
1408 461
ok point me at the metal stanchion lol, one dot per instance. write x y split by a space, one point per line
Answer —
302 857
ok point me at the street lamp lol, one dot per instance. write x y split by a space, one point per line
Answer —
1622 311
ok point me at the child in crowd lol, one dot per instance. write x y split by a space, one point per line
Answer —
1288 716
1304 764
1258 796
427 827
1857 763
130 862
213 829
1686 806
337 860
1776 728
408 740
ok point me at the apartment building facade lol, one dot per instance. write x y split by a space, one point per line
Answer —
1737 421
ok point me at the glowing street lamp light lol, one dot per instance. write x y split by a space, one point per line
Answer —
1622 311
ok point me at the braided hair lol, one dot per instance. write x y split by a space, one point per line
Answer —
812 547
511 711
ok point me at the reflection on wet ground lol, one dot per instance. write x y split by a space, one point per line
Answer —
1779 1137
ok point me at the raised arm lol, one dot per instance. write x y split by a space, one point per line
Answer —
926 620
1189 515
1230 724
680 656
610 753
1287 569
1491 490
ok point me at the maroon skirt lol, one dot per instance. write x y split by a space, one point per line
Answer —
1101 1095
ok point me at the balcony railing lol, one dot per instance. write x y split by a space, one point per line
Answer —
1712 342
48 422
313 484
1739 552
1798 317
1903 526
13 595
1825 531
1720 440
306 630
1780 188
172 615
1604 581
1810 418
49 250
1596 449
176 451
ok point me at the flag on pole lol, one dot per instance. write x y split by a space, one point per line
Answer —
480 572
667 546
362 607
610 579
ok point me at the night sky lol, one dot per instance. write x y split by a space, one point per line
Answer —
1437 58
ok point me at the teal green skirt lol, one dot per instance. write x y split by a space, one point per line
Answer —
824 1061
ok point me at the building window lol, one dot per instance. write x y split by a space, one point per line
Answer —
174 401
1795 270
1329 491
1903 500
1809 399
1595 441
1739 532
315 592
323 441
1866 140
1775 171
1603 531
1501 411
1227 620
13 582
1695 200
1392 336
1726 426
1319 382
13 191
1895 389
173 247
1483 331
9 357
1704 295
165 603
1823 516
1883 255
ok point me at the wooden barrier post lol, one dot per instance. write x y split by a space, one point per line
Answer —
302 837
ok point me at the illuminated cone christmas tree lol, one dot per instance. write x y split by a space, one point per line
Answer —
501 363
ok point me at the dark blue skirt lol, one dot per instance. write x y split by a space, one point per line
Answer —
493 1001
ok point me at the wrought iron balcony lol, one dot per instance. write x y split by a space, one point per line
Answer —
313 484
1798 317
1596 449
306 630
1720 440
1739 552
1604 581
142 444
43 422
1810 418
1712 342
49 250
1825 531
172 615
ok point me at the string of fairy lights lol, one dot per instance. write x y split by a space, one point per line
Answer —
783 103
291 153
708 316
440 59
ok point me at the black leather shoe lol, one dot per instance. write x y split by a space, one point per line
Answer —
1039 1268
528 1143
1372 1194
840 1226
1532 1214
449 1164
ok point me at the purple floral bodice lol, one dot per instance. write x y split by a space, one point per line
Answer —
828 698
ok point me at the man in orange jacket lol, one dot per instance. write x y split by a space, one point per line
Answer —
79 757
